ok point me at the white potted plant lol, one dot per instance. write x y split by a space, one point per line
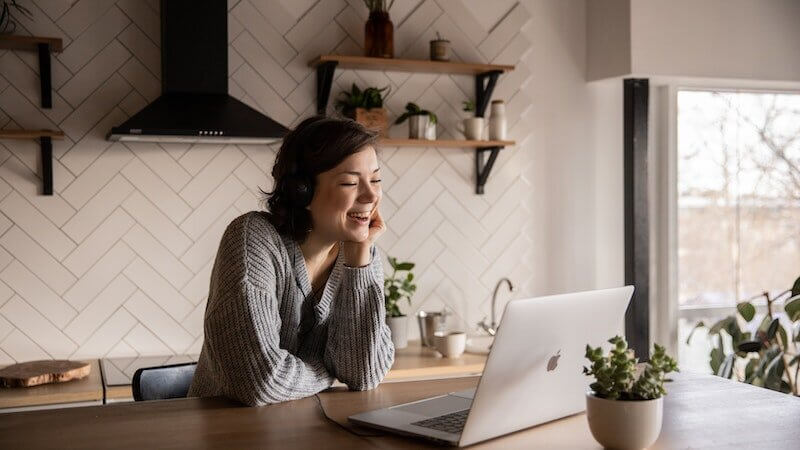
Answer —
396 288
624 411
421 122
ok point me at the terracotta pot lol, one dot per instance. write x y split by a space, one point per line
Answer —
379 35
624 424
374 119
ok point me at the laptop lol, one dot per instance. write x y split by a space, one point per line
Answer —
533 373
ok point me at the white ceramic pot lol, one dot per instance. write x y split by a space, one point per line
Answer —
624 424
473 128
418 126
399 328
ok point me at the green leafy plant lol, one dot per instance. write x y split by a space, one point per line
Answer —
398 286
369 98
469 106
378 5
762 356
412 109
7 22
615 374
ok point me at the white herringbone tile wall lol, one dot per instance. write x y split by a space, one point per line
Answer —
117 261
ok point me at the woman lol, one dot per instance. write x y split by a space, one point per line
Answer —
296 295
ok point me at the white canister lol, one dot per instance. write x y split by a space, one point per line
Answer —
497 121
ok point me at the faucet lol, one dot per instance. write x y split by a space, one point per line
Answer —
491 328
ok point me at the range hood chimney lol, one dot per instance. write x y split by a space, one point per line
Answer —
194 105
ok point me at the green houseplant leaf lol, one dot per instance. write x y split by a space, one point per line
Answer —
747 310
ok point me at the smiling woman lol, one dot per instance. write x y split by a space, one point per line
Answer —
296 295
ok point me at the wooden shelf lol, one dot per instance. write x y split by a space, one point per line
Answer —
42 45
394 142
31 43
46 144
408 65
485 79
31 134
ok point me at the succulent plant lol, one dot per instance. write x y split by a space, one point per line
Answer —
615 374
369 98
412 109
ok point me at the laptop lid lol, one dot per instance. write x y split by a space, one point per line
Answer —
534 371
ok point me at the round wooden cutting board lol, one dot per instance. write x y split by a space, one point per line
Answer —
33 373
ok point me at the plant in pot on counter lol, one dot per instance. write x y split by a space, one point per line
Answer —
365 107
473 126
766 356
421 122
623 410
396 288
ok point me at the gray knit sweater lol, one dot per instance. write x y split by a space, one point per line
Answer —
268 339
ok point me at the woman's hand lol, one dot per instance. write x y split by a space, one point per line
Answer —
357 254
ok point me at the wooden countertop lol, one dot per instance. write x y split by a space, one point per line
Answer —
87 389
414 362
701 411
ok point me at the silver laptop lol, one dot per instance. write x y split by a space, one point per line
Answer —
533 373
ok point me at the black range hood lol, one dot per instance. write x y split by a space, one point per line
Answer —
194 105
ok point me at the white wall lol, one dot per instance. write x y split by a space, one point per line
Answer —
742 39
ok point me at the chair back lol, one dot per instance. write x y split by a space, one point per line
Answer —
163 382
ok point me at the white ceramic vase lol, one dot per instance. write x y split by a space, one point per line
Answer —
473 128
624 424
399 328
497 121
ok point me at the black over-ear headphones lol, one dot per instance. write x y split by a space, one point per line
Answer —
298 187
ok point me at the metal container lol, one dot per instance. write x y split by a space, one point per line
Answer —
429 324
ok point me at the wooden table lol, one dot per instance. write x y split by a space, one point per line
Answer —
701 411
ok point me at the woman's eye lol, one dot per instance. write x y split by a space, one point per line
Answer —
376 181
347 184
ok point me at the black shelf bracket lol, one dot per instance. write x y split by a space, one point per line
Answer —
47 164
324 80
483 90
483 168
45 76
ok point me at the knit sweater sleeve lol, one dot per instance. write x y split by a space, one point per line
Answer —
242 331
360 350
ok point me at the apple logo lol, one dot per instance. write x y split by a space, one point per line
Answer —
553 362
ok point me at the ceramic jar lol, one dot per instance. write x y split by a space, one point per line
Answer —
497 121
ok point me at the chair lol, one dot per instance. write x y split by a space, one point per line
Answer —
163 382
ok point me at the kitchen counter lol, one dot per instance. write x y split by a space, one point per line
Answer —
83 392
412 363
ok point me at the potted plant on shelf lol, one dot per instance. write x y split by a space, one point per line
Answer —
767 356
365 107
7 23
625 411
379 30
473 126
421 123
396 288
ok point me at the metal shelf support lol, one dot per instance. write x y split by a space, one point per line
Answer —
482 167
324 80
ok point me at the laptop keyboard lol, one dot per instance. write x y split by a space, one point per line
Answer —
450 423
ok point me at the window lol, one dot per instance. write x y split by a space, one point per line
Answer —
738 205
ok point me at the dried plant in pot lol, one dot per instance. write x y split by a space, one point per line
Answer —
625 411
379 30
397 287
8 9
365 107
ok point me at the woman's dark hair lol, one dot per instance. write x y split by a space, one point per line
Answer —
317 145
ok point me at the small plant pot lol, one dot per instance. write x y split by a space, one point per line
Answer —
376 119
399 328
419 126
440 50
624 424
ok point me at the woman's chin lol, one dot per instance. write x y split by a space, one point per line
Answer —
356 235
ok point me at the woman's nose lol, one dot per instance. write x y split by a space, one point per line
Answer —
370 194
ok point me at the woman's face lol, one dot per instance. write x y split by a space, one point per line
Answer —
345 197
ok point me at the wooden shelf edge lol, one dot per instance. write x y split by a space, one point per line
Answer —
408 65
18 42
394 142
31 134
